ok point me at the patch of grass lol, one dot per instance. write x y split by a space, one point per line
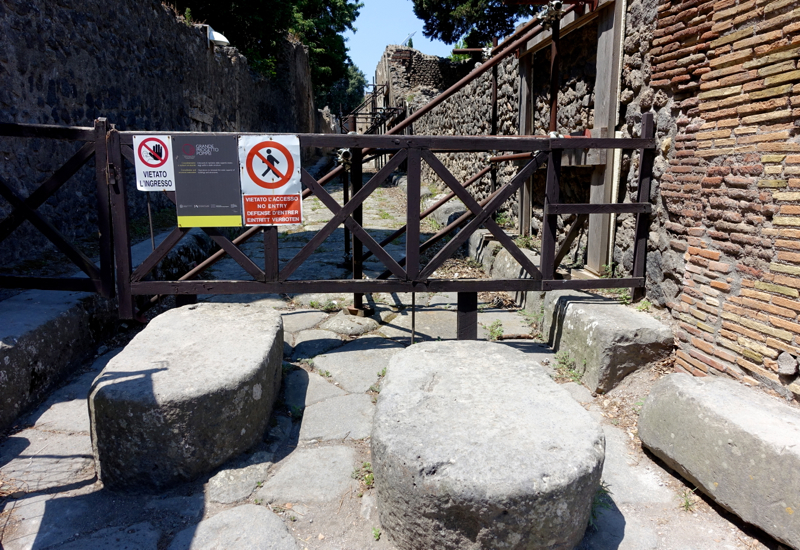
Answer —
503 219
565 365
384 215
526 241
434 225
382 373
325 373
473 263
687 500
376 533
637 406
644 305
621 294
495 330
375 387
328 307
601 501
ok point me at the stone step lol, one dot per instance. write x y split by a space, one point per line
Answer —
739 446
195 388
474 446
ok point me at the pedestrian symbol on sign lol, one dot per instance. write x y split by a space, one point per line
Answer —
270 165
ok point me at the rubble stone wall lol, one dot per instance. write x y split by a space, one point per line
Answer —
731 189
134 62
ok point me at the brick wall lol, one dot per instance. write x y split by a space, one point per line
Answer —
732 188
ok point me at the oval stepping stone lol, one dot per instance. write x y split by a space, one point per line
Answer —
474 446
192 390
350 325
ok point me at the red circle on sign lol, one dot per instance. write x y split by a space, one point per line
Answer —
283 177
151 153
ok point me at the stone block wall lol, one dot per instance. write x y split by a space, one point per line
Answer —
134 62
732 186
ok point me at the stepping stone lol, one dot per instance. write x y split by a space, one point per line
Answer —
356 364
350 325
302 319
301 389
247 526
310 343
233 484
349 416
738 445
463 463
192 390
606 340
319 474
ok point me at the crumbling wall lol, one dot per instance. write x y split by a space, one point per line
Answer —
131 61
722 79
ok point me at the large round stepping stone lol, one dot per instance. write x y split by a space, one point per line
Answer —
474 446
248 527
192 390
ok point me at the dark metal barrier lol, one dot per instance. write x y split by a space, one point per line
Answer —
98 279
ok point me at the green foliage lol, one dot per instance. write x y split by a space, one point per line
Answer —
258 28
187 17
601 501
621 294
502 219
459 57
346 93
687 500
644 305
477 20
410 43
376 533
495 330
565 365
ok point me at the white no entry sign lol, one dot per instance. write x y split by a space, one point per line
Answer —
153 160
269 169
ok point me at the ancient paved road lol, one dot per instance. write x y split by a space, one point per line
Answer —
313 467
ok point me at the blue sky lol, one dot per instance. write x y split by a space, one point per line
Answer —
384 22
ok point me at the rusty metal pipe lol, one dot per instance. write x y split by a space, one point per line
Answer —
516 156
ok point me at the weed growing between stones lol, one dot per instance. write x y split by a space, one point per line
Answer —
565 366
365 477
687 500
495 330
502 219
526 241
376 533
601 501
382 373
384 215
328 307
644 305
325 373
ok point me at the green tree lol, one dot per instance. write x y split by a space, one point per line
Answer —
258 27
347 93
319 24
476 20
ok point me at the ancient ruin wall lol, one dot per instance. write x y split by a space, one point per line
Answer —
133 62
722 78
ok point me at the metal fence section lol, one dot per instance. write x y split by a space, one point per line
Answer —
98 279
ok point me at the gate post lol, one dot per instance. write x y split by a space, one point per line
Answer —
103 208
358 216
646 158
122 238
467 316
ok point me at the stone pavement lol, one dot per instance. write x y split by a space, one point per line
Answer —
312 471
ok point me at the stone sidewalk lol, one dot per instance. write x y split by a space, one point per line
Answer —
312 471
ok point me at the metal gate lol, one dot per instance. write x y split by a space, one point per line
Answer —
113 148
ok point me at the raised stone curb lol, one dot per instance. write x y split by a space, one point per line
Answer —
739 446
248 527
606 340
462 463
45 334
192 390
